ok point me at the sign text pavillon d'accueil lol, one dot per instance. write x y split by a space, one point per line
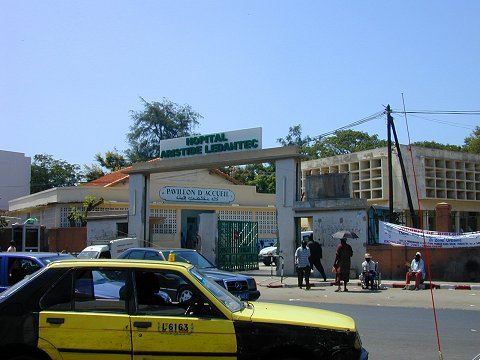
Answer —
239 140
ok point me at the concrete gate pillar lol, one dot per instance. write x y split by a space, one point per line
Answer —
287 173
139 207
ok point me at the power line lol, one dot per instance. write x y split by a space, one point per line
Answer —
414 113
356 123
438 112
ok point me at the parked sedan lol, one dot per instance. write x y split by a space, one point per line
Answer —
56 314
242 286
14 266
267 255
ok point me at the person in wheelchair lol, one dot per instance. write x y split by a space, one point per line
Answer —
369 272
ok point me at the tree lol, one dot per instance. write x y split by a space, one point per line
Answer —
294 137
89 203
472 142
47 173
434 145
345 142
262 176
93 172
112 161
158 121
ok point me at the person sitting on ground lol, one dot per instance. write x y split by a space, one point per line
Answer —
417 270
369 271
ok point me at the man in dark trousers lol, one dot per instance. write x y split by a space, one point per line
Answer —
316 256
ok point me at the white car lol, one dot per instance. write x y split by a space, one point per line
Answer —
266 255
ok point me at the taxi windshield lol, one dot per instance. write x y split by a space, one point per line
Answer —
230 301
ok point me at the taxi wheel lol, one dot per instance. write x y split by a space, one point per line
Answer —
184 294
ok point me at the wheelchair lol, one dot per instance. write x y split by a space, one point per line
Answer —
377 280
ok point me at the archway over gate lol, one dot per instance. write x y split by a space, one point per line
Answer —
288 175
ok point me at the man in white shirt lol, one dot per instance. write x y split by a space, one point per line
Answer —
302 263
417 270
369 271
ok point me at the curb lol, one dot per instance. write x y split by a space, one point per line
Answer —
276 284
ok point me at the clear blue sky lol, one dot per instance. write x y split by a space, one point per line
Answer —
70 71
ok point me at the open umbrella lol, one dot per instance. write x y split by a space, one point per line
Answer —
345 234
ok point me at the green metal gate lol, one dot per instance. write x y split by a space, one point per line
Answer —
237 245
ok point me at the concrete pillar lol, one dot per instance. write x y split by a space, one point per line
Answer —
287 192
139 207
443 219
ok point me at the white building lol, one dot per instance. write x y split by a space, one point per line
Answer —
440 176
14 176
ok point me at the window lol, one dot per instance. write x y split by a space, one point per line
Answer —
167 293
18 268
93 290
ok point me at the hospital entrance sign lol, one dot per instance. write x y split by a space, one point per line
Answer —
222 142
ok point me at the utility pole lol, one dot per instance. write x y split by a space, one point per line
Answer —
391 127
390 176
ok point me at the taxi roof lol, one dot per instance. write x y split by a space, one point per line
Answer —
122 263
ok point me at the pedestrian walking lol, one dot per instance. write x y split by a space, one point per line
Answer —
316 256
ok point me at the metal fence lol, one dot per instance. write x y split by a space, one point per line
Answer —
237 245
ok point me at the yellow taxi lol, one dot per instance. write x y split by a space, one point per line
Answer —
129 309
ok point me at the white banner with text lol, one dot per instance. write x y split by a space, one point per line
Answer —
401 235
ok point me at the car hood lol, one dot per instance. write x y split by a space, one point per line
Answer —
217 274
260 312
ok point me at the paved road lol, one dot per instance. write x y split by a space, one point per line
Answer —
273 288
385 317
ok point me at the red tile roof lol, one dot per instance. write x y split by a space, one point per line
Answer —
118 176
109 179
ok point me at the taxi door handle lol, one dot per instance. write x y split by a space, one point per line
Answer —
55 320
142 324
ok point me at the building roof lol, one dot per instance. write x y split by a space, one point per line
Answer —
109 179
116 177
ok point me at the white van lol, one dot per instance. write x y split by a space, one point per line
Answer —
110 251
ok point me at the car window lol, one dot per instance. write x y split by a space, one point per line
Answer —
153 255
134 254
168 293
47 260
229 300
92 290
191 257
19 267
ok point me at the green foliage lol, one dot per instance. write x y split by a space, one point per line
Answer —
75 215
472 142
434 145
112 161
345 142
89 203
93 172
294 137
158 121
47 173
262 176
